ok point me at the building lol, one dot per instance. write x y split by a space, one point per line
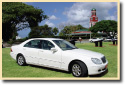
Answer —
93 18
82 33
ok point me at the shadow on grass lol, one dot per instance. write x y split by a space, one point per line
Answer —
100 75
46 68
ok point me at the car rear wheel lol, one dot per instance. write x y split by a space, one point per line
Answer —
79 69
21 60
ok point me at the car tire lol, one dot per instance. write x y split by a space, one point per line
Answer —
79 69
21 60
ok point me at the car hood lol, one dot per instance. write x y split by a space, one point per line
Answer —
85 53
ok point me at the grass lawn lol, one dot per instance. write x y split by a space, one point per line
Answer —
11 69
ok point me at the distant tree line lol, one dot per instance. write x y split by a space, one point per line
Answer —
69 29
43 31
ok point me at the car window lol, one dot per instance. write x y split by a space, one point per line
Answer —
34 44
64 45
47 45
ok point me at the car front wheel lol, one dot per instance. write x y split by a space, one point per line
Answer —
91 41
21 60
79 69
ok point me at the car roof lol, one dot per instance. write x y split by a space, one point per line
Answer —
50 39
46 39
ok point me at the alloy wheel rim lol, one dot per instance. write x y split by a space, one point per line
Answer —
76 70
20 60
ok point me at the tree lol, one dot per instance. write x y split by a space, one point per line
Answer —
46 31
80 27
17 16
55 31
106 26
35 32
41 31
69 29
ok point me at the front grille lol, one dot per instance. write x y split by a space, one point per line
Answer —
103 59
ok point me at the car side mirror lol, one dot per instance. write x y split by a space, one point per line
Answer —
54 50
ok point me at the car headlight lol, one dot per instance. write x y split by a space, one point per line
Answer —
96 61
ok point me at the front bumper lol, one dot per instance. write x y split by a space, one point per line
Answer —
97 69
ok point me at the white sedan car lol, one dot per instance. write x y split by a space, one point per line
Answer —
94 39
108 40
59 54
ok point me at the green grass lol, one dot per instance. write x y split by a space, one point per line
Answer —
11 69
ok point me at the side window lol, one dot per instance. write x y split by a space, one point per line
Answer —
34 44
47 45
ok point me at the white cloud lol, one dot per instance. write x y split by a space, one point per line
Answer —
80 13
50 24
63 24
53 17
110 18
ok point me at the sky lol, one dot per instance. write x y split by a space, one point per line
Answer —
72 13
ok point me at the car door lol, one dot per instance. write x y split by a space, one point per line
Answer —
48 57
30 50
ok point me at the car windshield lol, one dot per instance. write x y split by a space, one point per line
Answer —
64 45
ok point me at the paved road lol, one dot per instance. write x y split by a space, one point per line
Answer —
83 41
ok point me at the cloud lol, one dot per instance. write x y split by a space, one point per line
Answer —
110 18
63 24
80 13
53 17
50 24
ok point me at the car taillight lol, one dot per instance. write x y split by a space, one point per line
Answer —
11 50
